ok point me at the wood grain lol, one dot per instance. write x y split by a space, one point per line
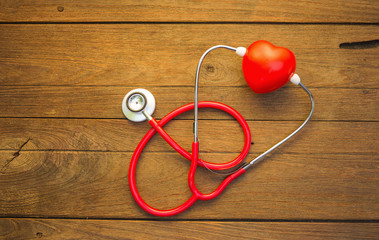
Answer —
12 228
105 102
65 146
136 55
94 184
190 11
122 135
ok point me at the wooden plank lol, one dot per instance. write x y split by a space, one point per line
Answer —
105 102
190 11
285 186
137 54
15 228
122 135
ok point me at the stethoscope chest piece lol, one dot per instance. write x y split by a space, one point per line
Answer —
136 102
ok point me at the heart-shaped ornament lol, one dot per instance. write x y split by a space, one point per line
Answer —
267 67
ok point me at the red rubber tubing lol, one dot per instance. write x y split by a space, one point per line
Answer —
197 195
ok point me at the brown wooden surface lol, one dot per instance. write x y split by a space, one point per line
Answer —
98 102
121 136
107 229
167 54
190 11
65 146
92 184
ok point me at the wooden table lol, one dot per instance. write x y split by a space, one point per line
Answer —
66 146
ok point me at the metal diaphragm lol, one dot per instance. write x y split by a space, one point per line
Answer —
136 102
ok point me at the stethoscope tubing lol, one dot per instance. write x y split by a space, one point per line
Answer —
194 158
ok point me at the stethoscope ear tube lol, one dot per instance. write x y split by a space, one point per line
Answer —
295 81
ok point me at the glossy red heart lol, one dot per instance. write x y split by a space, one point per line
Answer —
267 67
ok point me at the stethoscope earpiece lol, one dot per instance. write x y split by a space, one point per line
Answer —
136 102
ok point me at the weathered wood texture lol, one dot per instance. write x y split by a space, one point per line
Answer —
105 102
94 184
136 55
360 11
12 228
65 146
122 136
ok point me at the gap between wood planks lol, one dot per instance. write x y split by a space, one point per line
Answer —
201 220
189 23
360 45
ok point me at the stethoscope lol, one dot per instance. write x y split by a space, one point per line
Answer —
266 68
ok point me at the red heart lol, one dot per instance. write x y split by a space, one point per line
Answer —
267 67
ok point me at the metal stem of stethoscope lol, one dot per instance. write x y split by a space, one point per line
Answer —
260 157
195 125
257 159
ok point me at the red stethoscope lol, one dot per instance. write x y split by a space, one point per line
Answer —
266 68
